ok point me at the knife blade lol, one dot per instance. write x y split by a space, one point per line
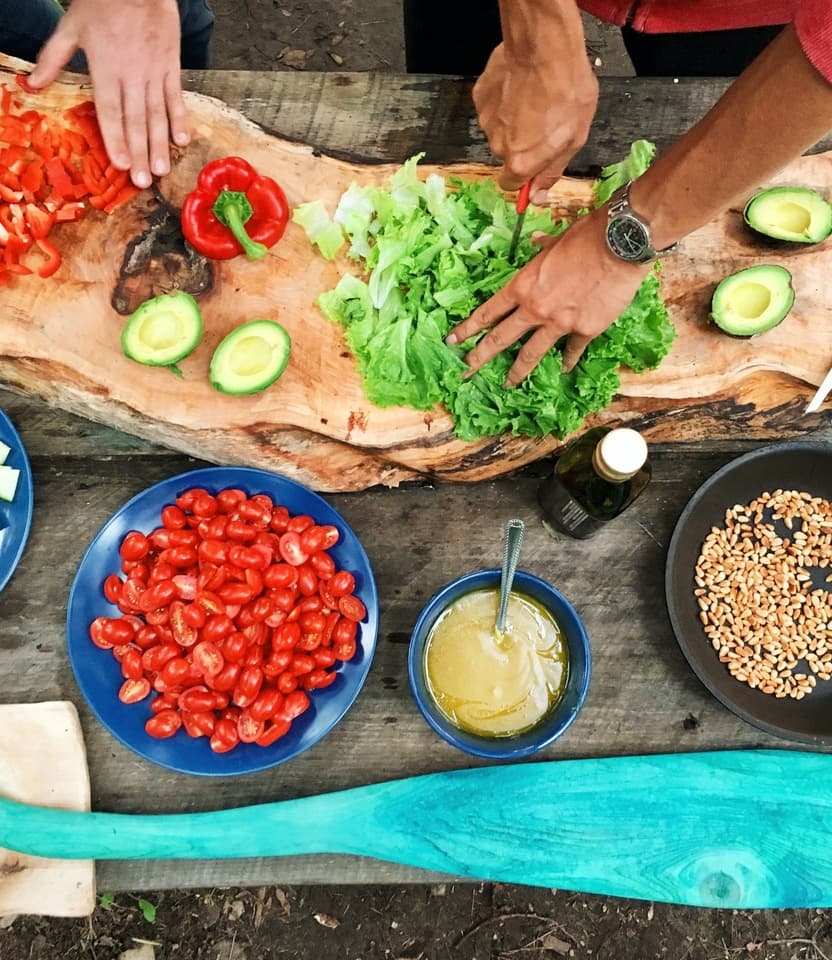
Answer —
822 393
520 206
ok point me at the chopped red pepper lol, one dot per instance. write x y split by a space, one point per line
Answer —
53 260
234 210
47 168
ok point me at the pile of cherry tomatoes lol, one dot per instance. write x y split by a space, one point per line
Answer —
232 612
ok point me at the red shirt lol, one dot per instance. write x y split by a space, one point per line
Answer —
812 19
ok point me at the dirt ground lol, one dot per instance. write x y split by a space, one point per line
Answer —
419 922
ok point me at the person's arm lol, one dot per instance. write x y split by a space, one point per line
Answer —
780 106
132 48
537 95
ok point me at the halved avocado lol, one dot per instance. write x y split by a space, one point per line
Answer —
162 330
753 300
798 214
250 358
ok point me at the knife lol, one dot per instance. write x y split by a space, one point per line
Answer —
520 206
823 392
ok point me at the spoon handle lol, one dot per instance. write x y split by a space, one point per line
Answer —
514 540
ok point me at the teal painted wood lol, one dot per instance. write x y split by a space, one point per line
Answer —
723 829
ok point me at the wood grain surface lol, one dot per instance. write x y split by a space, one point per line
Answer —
671 828
316 424
643 698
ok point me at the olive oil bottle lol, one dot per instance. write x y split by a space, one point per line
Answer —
594 480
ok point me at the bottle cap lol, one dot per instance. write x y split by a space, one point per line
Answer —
620 454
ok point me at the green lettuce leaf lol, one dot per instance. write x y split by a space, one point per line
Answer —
432 251
617 174
321 230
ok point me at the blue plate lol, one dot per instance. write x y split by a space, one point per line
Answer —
15 517
99 675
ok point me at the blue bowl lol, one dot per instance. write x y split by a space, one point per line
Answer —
577 679
99 675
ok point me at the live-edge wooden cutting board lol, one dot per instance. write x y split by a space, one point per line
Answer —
60 338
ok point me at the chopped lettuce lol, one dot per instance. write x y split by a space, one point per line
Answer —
320 229
432 251
617 174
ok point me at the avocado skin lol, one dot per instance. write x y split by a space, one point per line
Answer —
269 330
178 300
780 282
802 196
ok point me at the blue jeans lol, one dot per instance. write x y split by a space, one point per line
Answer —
25 25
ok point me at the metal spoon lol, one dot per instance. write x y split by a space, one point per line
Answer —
511 553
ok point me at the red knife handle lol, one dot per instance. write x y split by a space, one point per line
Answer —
523 197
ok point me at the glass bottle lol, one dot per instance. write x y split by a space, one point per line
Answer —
595 479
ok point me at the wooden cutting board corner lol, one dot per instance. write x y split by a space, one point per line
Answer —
43 761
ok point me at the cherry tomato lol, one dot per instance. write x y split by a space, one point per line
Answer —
112 588
173 517
249 729
300 523
291 550
228 500
132 691
331 536
352 608
280 520
206 655
131 664
199 724
286 636
97 634
307 579
247 686
312 539
197 699
318 679
274 731
225 736
135 546
267 703
280 575
322 563
163 724
341 584
294 705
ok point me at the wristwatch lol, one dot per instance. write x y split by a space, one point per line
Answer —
628 235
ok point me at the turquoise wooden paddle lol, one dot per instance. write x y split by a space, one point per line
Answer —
722 829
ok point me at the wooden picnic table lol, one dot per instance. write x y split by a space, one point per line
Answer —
643 697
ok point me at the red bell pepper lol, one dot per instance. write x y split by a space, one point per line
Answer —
234 210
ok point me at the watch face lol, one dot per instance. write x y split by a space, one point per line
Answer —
628 238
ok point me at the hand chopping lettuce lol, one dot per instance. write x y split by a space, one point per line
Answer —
430 253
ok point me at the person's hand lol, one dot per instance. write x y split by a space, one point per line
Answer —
132 48
575 287
536 112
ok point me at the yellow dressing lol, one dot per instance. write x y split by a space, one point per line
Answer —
491 685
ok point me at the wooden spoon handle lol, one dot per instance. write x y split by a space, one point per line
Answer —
740 829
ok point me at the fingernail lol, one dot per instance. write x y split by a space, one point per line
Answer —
182 138
141 178
539 197
508 385
451 340
161 167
